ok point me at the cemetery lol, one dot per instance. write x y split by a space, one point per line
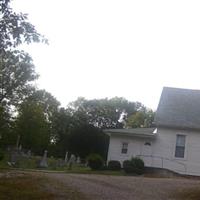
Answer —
82 124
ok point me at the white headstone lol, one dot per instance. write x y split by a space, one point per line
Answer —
43 162
66 157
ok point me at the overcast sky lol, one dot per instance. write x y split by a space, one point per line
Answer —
113 48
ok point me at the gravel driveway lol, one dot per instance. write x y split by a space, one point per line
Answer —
101 187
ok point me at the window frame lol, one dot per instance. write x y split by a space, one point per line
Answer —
124 148
180 152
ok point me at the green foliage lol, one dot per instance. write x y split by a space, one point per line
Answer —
106 113
33 127
28 163
136 120
114 165
143 118
134 166
16 66
17 70
48 103
1 155
95 161
15 29
61 123
87 139
16 73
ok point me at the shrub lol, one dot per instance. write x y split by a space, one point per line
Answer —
127 166
95 161
135 166
114 165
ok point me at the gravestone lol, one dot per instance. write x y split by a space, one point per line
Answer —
43 162
66 157
14 157
78 160
29 153
71 161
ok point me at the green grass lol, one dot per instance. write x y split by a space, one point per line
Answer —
34 187
3 163
87 170
32 164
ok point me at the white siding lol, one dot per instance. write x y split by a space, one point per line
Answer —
161 153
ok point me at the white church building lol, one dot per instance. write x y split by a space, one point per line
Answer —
175 142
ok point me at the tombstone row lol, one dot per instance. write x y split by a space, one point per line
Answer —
17 153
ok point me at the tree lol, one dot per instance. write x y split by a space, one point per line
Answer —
48 102
106 113
87 139
6 124
17 70
15 29
61 123
16 66
16 73
142 118
136 120
33 127
37 112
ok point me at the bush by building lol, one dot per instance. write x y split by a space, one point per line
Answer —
95 161
134 166
114 165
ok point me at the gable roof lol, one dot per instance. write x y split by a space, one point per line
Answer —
138 132
179 108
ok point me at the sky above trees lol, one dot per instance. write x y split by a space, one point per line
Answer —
115 48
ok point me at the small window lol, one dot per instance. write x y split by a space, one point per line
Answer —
124 147
180 146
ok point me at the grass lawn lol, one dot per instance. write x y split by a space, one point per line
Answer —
35 187
87 170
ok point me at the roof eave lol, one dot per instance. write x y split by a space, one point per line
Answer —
177 127
132 134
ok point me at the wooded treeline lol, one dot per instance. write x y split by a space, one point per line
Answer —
36 118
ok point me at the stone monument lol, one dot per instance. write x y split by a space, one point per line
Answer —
66 157
43 162
71 161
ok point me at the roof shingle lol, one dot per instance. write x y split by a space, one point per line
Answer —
179 108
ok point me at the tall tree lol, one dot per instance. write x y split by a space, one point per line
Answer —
16 73
106 113
61 123
85 139
16 66
15 29
37 112
47 101
6 124
32 127
142 118
17 70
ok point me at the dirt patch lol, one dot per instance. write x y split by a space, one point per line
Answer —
187 194
101 187
19 186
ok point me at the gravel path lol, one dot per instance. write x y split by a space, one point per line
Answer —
101 187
